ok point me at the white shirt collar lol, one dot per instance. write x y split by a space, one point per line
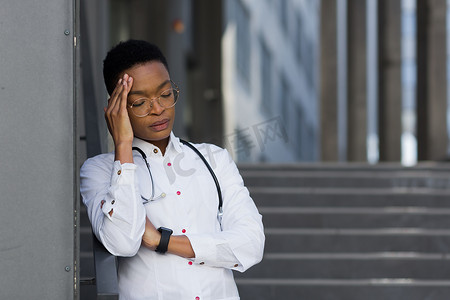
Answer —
148 147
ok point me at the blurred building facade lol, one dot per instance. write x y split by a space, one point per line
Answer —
383 81
248 70
290 80
270 79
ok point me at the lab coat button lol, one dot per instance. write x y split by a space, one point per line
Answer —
119 172
178 193
114 201
197 298
155 151
183 231
190 263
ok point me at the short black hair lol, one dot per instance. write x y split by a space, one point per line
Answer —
126 55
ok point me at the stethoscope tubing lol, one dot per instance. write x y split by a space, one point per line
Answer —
216 181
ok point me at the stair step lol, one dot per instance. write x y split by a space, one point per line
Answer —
330 217
386 210
332 289
435 167
346 179
361 197
352 266
363 241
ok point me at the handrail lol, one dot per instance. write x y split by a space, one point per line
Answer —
105 272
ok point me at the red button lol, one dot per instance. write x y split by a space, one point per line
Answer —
190 263
197 298
183 231
178 193
169 164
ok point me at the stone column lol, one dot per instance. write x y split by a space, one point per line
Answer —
431 80
389 80
356 81
328 82
204 72
94 44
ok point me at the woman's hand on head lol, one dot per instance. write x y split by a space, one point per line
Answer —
116 113
118 121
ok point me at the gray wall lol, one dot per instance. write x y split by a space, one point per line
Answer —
38 177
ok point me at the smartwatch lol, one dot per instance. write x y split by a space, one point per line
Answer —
164 241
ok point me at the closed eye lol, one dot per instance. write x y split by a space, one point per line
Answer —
166 94
139 102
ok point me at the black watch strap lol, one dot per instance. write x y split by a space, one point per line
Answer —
164 242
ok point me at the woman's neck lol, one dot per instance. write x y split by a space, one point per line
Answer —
161 144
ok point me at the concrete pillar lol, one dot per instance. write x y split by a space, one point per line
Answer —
328 82
342 79
39 205
205 81
356 81
389 80
94 43
431 80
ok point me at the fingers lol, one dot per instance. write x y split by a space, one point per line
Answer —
116 112
113 99
126 87
118 99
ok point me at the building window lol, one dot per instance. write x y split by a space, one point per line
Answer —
283 6
243 41
266 80
298 38
284 102
307 57
301 134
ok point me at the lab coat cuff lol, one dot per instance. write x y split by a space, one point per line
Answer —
123 174
204 250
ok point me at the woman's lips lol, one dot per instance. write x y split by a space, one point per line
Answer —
160 125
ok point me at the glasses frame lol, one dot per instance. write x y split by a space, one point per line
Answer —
174 87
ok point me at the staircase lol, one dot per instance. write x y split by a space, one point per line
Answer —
351 232
342 231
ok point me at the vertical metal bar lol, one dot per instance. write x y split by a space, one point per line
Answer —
342 78
372 82
76 174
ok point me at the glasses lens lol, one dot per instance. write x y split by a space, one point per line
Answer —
140 107
168 98
176 93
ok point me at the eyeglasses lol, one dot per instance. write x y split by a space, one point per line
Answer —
168 98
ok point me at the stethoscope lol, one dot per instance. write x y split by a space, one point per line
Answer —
163 195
